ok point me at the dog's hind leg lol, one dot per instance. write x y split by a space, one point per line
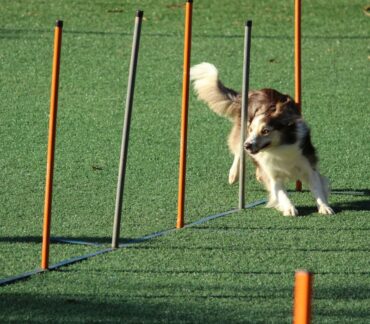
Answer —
319 187
234 170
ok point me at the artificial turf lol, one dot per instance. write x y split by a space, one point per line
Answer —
234 269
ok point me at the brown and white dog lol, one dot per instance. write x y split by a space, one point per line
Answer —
277 138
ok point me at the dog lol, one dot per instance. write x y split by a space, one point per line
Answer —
277 138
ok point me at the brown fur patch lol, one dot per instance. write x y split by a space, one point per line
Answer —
272 103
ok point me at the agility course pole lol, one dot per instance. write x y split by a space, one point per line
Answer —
126 129
297 64
184 114
244 111
51 144
302 297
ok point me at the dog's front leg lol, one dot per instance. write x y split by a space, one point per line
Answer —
234 170
320 190
279 198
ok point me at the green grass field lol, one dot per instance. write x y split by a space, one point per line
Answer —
236 269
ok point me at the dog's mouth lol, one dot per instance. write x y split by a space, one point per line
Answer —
252 149
265 145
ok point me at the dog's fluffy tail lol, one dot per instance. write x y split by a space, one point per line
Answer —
223 101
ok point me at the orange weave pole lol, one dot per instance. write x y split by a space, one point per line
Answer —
184 114
297 63
302 297
51 145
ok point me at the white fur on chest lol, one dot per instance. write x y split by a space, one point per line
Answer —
284 162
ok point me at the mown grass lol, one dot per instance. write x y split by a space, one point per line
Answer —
235 269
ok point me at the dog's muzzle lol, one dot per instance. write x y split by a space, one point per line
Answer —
253 148
250 148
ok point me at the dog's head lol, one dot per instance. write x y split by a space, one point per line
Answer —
272 119
272 103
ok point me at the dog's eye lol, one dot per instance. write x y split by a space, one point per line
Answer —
265 131
272 109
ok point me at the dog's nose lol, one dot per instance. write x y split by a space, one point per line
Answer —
248 146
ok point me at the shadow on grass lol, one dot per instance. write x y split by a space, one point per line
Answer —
167 304
357 192
287 229
324 297
154 271
348 291
18 33
89 240
352 206
358 205
230 248
38 239
144 308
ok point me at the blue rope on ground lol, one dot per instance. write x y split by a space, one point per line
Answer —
201 221
147 237
206 219
19 277
79 259
68 241
26 275
165 232
198 222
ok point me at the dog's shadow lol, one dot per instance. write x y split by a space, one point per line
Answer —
350 205
363 205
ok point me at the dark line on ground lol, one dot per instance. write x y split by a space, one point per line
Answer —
67 262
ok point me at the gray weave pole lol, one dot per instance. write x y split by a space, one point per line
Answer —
126 129
244 111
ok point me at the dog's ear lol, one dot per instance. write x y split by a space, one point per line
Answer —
281 122
287 111
290 105
288 120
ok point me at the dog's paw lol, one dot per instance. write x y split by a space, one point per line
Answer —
272 203
290 211
233 177
326 210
